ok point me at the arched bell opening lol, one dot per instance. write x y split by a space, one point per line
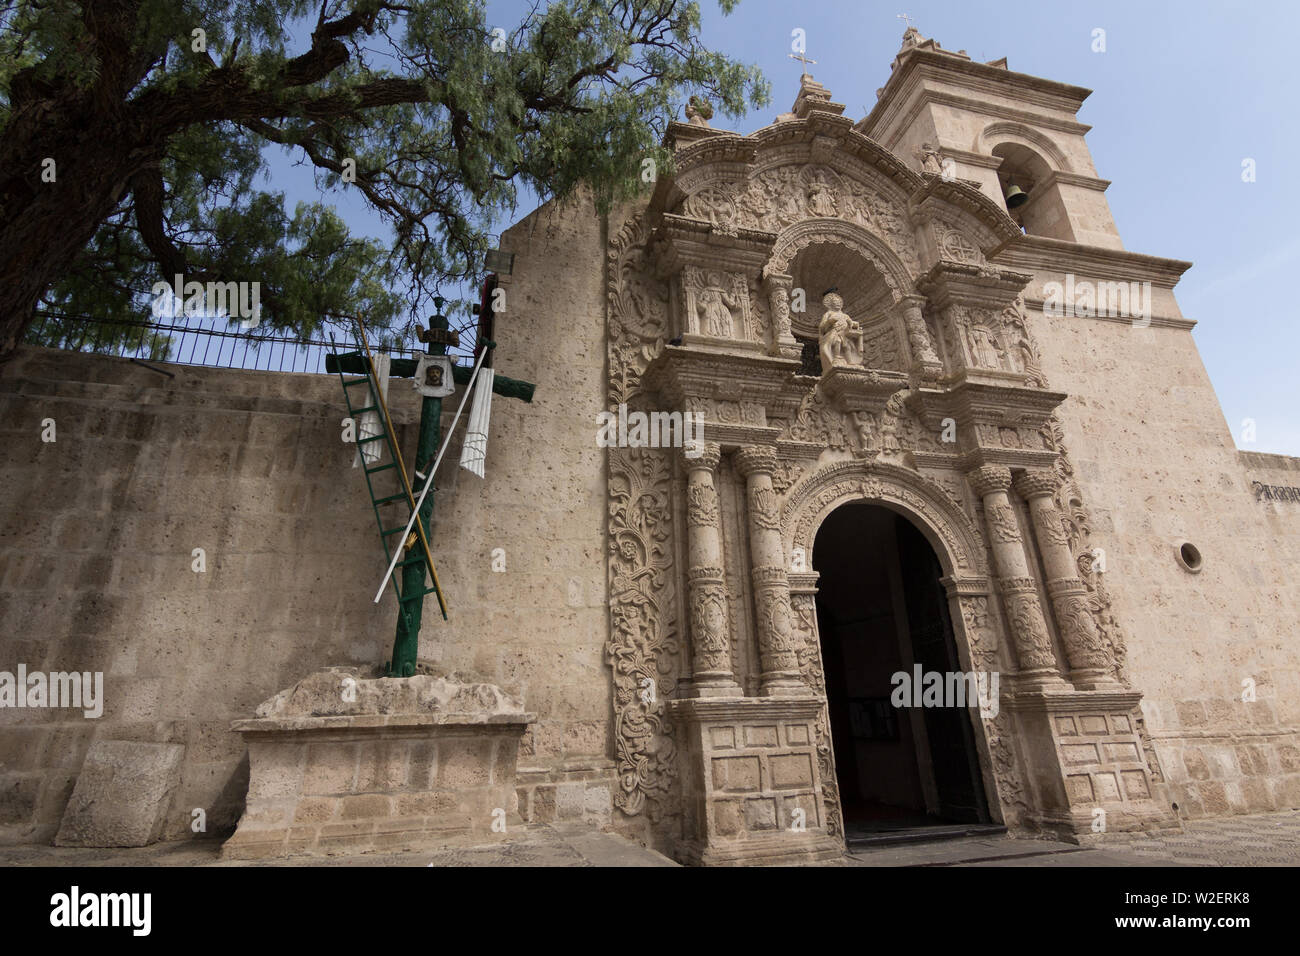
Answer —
1029 192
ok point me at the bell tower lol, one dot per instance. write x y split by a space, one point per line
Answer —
981 122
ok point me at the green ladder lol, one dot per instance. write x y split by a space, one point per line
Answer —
393 461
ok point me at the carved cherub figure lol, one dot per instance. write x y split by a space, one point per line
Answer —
840 335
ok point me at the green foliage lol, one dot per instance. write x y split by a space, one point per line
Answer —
443 119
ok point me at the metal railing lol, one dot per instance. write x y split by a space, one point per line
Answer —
201 340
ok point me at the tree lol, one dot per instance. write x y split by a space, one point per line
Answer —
132 134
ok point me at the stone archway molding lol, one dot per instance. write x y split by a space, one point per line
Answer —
950 531
811 232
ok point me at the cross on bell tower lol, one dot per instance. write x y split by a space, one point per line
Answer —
802 58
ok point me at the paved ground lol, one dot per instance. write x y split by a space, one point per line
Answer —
1269 839
537 845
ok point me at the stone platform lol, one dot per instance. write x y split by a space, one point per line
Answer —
346 762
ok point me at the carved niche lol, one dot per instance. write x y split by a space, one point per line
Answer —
716 304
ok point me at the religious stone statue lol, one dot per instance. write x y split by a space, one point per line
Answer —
930 159
984 350
715 305
841 336
821 201
698 111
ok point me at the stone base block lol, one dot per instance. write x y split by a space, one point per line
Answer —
122 794
752 788
420 761
1100 773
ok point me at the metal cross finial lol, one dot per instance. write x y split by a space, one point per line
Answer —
804 60
906 19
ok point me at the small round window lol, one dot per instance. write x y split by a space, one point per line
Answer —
1188 556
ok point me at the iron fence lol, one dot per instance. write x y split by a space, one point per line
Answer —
202 340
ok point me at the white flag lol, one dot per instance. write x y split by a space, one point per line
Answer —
369 424
474 452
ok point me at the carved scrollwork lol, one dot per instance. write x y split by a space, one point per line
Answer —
808 651
1077 529
643 638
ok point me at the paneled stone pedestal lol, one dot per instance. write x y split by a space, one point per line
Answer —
341 762
1095 775
752 791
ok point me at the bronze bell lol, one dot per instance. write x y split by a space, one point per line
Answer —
1016 196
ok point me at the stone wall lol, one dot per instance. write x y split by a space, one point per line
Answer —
99 526
1158 467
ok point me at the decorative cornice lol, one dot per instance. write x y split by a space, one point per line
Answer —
1040 254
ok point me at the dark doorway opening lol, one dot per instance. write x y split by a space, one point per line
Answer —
882 610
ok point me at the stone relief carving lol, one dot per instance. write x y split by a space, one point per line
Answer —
1021 349
709 624
644 633
980 633
846 481
702 506
817 422
781 195
808 651
1077 531
1006 769
785 474
954 245
882 349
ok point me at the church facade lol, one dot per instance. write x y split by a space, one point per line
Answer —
958 532
946 431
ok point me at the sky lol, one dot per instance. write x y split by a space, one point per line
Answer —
1182 94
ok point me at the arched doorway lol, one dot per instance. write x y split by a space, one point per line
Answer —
905 758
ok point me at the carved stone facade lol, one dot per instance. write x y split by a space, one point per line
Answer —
932 402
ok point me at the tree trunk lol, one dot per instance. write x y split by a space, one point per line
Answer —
44 226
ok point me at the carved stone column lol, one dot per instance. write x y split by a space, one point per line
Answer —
777 286
710 624
1019 593
776 644
918 336
1090 659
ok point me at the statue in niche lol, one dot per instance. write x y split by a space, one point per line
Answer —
715 305
841 336
983 349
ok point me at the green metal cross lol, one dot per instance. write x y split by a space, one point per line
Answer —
407 640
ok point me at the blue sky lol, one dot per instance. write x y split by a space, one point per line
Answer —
1184 92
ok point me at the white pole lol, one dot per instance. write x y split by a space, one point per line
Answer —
428 482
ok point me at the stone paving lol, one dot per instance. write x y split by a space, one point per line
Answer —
1266 839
